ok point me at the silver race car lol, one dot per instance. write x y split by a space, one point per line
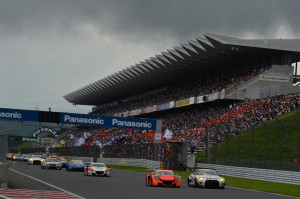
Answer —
51 163
206 178
97 169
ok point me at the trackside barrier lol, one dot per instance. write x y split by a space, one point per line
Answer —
3 175
84 159
289 177
151 164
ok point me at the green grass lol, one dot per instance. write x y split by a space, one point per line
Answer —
265 186
128 168
285 127
25 145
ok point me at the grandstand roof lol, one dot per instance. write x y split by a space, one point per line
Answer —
196 56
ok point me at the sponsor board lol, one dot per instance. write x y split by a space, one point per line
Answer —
273 78
43 130
21 115
94 120
29 139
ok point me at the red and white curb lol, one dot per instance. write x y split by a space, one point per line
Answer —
34 194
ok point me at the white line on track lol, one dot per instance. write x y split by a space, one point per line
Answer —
277 194
46 183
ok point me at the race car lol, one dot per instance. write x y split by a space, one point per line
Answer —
16 157
63 161
9 156
34 159
51 163
165 178
206 178
24 158
97 169
73 165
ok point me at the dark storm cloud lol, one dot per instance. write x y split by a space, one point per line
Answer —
136 19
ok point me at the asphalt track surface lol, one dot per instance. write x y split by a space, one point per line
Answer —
122 184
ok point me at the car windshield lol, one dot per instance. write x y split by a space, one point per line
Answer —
167 173
51 160
77 161
207 172
97 165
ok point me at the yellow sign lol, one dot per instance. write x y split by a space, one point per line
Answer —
184 102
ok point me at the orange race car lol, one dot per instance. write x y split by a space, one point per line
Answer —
165 178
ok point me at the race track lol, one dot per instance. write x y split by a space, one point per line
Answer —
122 184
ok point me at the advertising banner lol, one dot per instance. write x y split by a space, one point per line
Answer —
199 99
222 94
273 78
94 120
164 106
138 111
181 103
126 114
21 115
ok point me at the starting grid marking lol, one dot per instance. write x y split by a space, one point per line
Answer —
34 194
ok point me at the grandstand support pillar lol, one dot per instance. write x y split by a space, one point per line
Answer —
266 144
296 69
216 144
239 150
157 139
298 150
281 143
207 154
227 141
251 149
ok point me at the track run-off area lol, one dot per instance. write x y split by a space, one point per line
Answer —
121 184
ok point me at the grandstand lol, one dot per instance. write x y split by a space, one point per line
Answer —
212 83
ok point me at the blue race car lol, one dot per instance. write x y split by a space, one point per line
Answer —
75 165
24 158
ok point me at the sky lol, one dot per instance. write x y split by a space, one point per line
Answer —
49 48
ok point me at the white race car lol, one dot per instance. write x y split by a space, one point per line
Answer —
206 178
97 169
51 163
34 159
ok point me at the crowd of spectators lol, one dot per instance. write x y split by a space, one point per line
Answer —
190 88
195 125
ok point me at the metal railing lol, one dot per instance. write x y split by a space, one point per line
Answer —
274 145
289 177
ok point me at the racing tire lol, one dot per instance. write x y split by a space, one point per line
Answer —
196 183
189 182
58 168
150 182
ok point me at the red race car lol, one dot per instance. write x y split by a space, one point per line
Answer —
165 178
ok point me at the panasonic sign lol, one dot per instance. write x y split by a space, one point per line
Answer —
22 115
105 121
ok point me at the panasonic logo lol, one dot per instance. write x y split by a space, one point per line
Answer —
83 120
14 115
116 122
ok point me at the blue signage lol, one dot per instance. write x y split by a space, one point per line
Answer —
105 121
21 115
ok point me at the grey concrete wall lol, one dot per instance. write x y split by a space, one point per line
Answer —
257 89
3 175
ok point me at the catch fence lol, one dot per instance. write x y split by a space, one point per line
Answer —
273 145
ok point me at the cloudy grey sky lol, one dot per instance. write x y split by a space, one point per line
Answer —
49 48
